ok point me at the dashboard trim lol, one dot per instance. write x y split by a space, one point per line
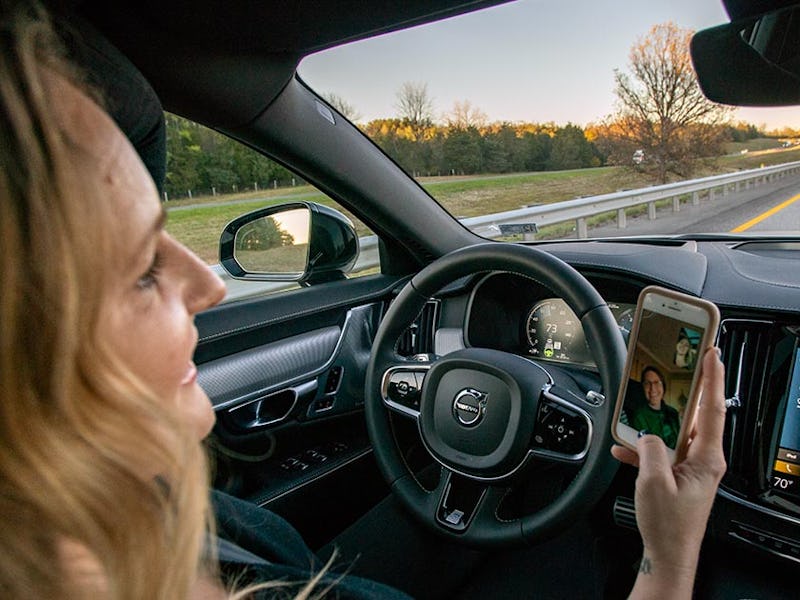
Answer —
757 507
763 548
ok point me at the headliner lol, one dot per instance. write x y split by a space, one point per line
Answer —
221 62
279 26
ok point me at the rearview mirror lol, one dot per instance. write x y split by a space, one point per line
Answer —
304 242
751 62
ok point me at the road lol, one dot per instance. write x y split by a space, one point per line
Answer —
734 213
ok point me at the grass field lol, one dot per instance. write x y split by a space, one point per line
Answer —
198 222
752 145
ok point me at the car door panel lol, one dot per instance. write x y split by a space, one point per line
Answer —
230 328
287 384
235 380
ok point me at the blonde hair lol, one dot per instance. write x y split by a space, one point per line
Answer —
80 436
76 427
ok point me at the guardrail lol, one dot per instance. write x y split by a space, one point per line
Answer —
579 210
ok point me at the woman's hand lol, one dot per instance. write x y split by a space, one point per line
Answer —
673 502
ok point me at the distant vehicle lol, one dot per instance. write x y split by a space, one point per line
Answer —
638 157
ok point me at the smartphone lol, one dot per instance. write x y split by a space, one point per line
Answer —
660 388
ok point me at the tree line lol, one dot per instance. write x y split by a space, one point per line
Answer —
496 148
662 125
204 162
201 161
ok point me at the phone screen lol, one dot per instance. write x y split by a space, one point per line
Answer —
662 369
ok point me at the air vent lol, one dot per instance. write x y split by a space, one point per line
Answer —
419 337
746 350
625 512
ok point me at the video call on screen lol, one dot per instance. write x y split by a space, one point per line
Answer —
661 376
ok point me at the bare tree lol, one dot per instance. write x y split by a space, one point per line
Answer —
347 110
415 106
464 115
661 108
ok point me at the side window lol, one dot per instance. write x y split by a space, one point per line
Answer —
212 179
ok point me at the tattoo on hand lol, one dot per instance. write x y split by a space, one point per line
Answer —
645 566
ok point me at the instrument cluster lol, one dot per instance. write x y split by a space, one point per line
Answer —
554 332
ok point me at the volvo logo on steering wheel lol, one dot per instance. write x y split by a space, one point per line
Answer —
469 406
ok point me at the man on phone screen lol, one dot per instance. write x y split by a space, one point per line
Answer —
656 416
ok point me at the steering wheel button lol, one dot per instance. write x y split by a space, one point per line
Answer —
403 388
420 378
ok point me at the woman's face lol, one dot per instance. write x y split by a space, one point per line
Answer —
682 346
653 389
157 285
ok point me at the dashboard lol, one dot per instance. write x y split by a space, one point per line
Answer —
757 288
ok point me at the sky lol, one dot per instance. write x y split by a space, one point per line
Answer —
530 60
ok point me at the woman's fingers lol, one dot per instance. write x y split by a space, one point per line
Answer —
711 412
655 463
625 455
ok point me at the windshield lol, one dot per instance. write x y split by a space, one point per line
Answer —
547 120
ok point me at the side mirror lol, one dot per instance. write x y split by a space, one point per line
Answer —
304 242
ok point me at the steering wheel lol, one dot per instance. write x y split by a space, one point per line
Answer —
487 417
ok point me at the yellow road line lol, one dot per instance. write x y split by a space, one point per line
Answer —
764 215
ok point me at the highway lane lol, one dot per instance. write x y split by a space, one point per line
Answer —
722 214
785 216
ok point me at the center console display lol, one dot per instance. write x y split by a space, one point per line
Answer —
786 466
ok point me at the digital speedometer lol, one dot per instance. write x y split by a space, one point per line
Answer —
554 332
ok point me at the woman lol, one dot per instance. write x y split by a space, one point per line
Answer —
103 482
685 356
655 415
102 473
